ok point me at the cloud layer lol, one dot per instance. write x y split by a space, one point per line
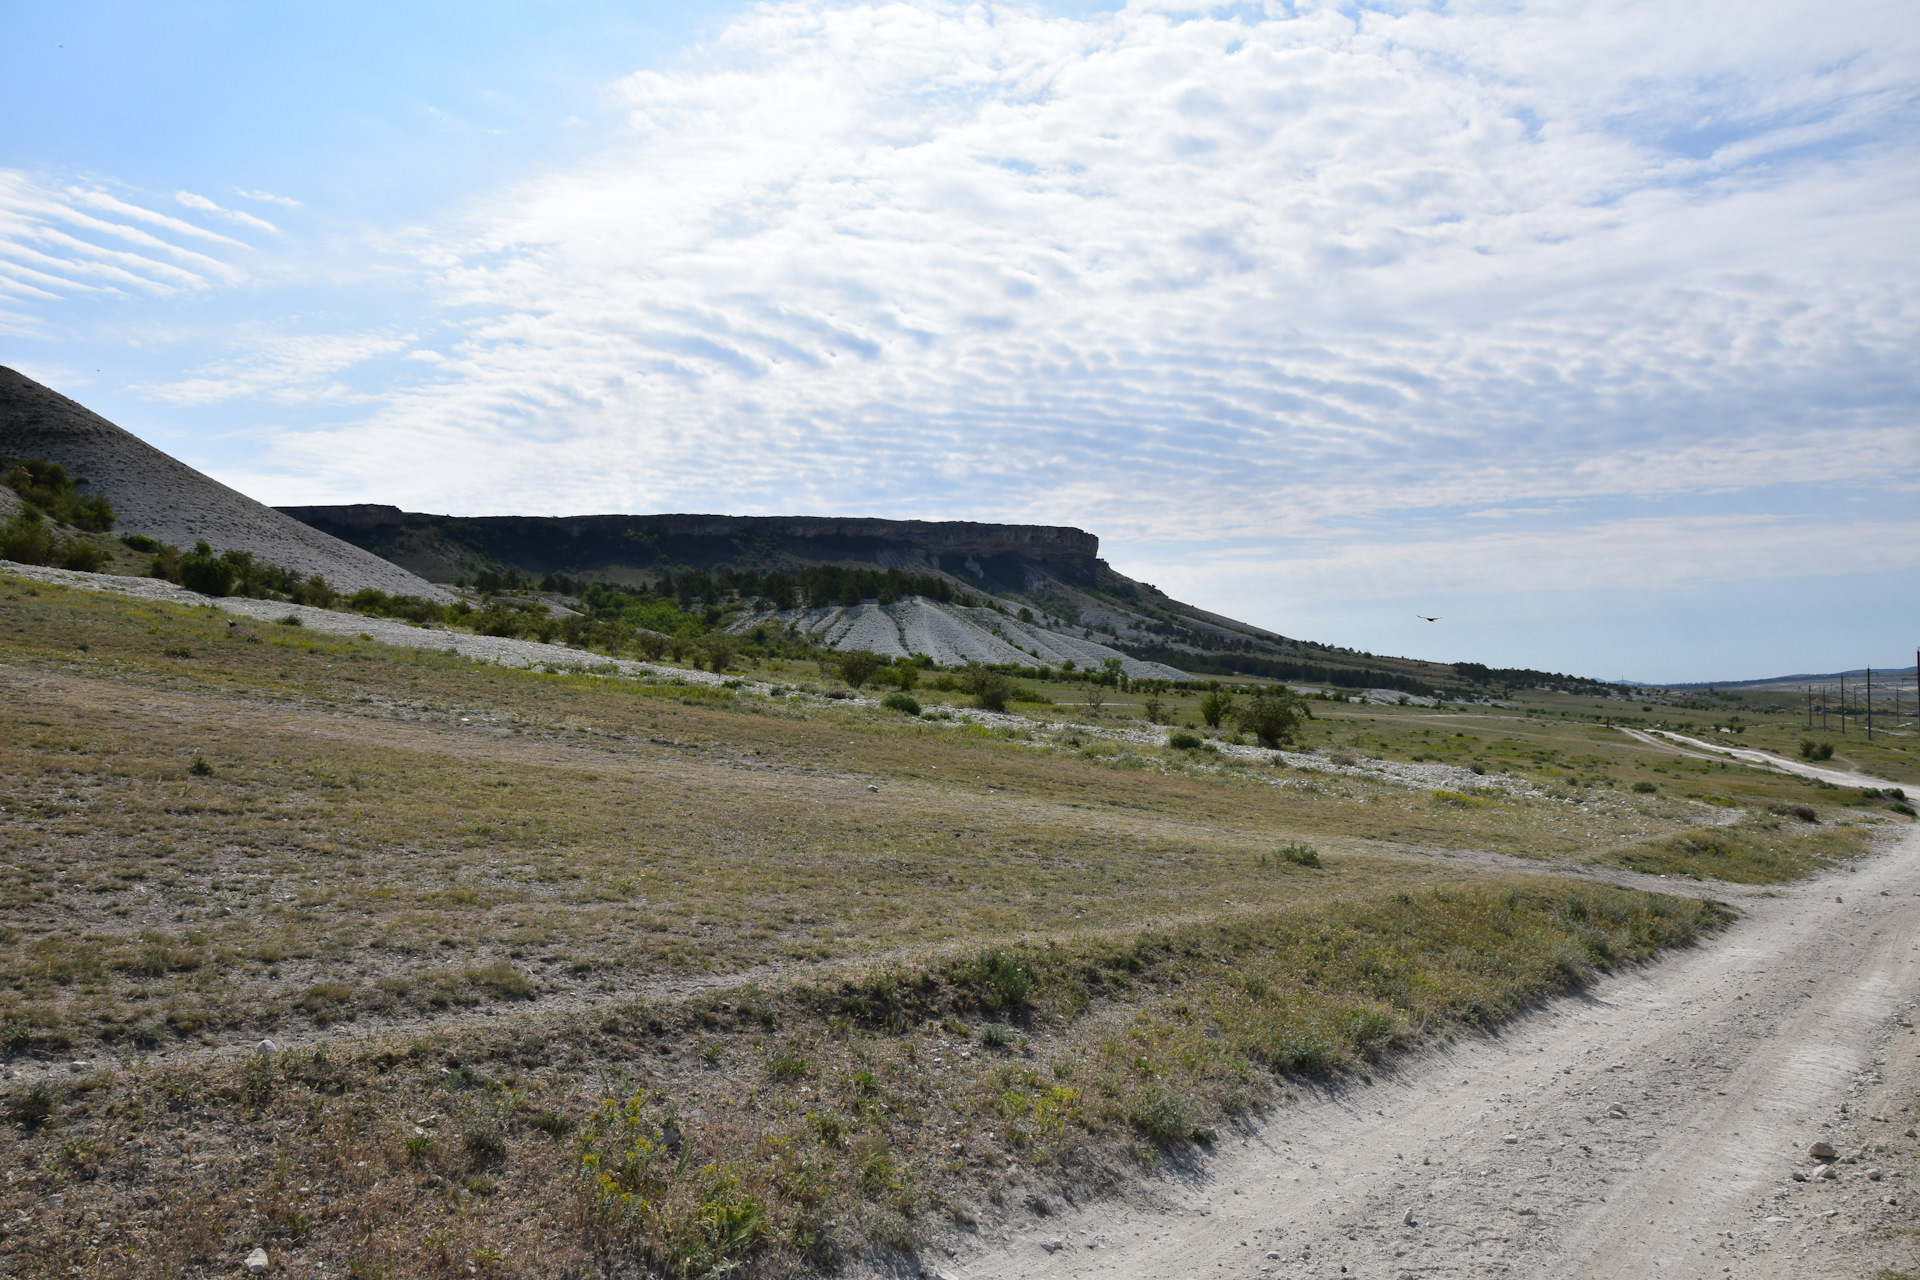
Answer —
1274 269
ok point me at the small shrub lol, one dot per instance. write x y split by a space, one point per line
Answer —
1215 707
902 702
30 1108
554 1124
205 573
25 539
991 689
1161 1111
291 620
1901 806
484 1144
832 1127
860 666
1184 741
996 1035
1300 855
502 981
200 768
1272 714
1802 812
82 557
1645 788
891 1229
1006 982
1812 750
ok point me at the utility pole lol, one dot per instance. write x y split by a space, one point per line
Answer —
1843 703
1809 708
1869 704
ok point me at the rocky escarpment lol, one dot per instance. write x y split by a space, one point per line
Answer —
160 496
638 548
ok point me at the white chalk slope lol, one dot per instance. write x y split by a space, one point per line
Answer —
952 635
160 496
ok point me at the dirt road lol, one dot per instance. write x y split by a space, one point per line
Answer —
1649 1128
1765 759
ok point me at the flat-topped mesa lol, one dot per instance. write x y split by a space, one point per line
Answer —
934 535
442 547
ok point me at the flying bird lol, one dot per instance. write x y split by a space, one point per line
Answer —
1424 618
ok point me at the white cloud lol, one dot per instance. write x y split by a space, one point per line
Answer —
267 197
192 201
60 242
1189 277
284 370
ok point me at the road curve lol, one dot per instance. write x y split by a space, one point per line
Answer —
1647 1128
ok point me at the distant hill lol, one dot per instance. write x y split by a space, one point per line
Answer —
1902 675
1081 608
159 496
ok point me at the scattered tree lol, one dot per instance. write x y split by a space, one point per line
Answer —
859 666
720 651
1216 707
1272 714
991 689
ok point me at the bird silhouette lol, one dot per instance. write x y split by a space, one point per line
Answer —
1424 618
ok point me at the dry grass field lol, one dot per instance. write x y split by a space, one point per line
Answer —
570 975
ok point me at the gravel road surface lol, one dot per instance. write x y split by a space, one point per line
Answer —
1651 1127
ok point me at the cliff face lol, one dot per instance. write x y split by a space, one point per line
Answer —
634 547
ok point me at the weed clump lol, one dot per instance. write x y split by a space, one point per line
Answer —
1294 853
786 1065
902 702
30 1108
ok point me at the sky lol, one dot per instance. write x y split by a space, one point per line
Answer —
1590 328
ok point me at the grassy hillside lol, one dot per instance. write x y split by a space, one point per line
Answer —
564 971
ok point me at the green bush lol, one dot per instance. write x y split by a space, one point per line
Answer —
991 689
82 557
1161 1111
25 539
1184 741
1645 788
1816 750
1300 855
788 1065
858 667
201 571
1272 714
1216 707
46 487
905 702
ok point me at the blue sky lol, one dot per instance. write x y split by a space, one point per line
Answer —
1590 328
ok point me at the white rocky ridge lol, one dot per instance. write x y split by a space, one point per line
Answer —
954 635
